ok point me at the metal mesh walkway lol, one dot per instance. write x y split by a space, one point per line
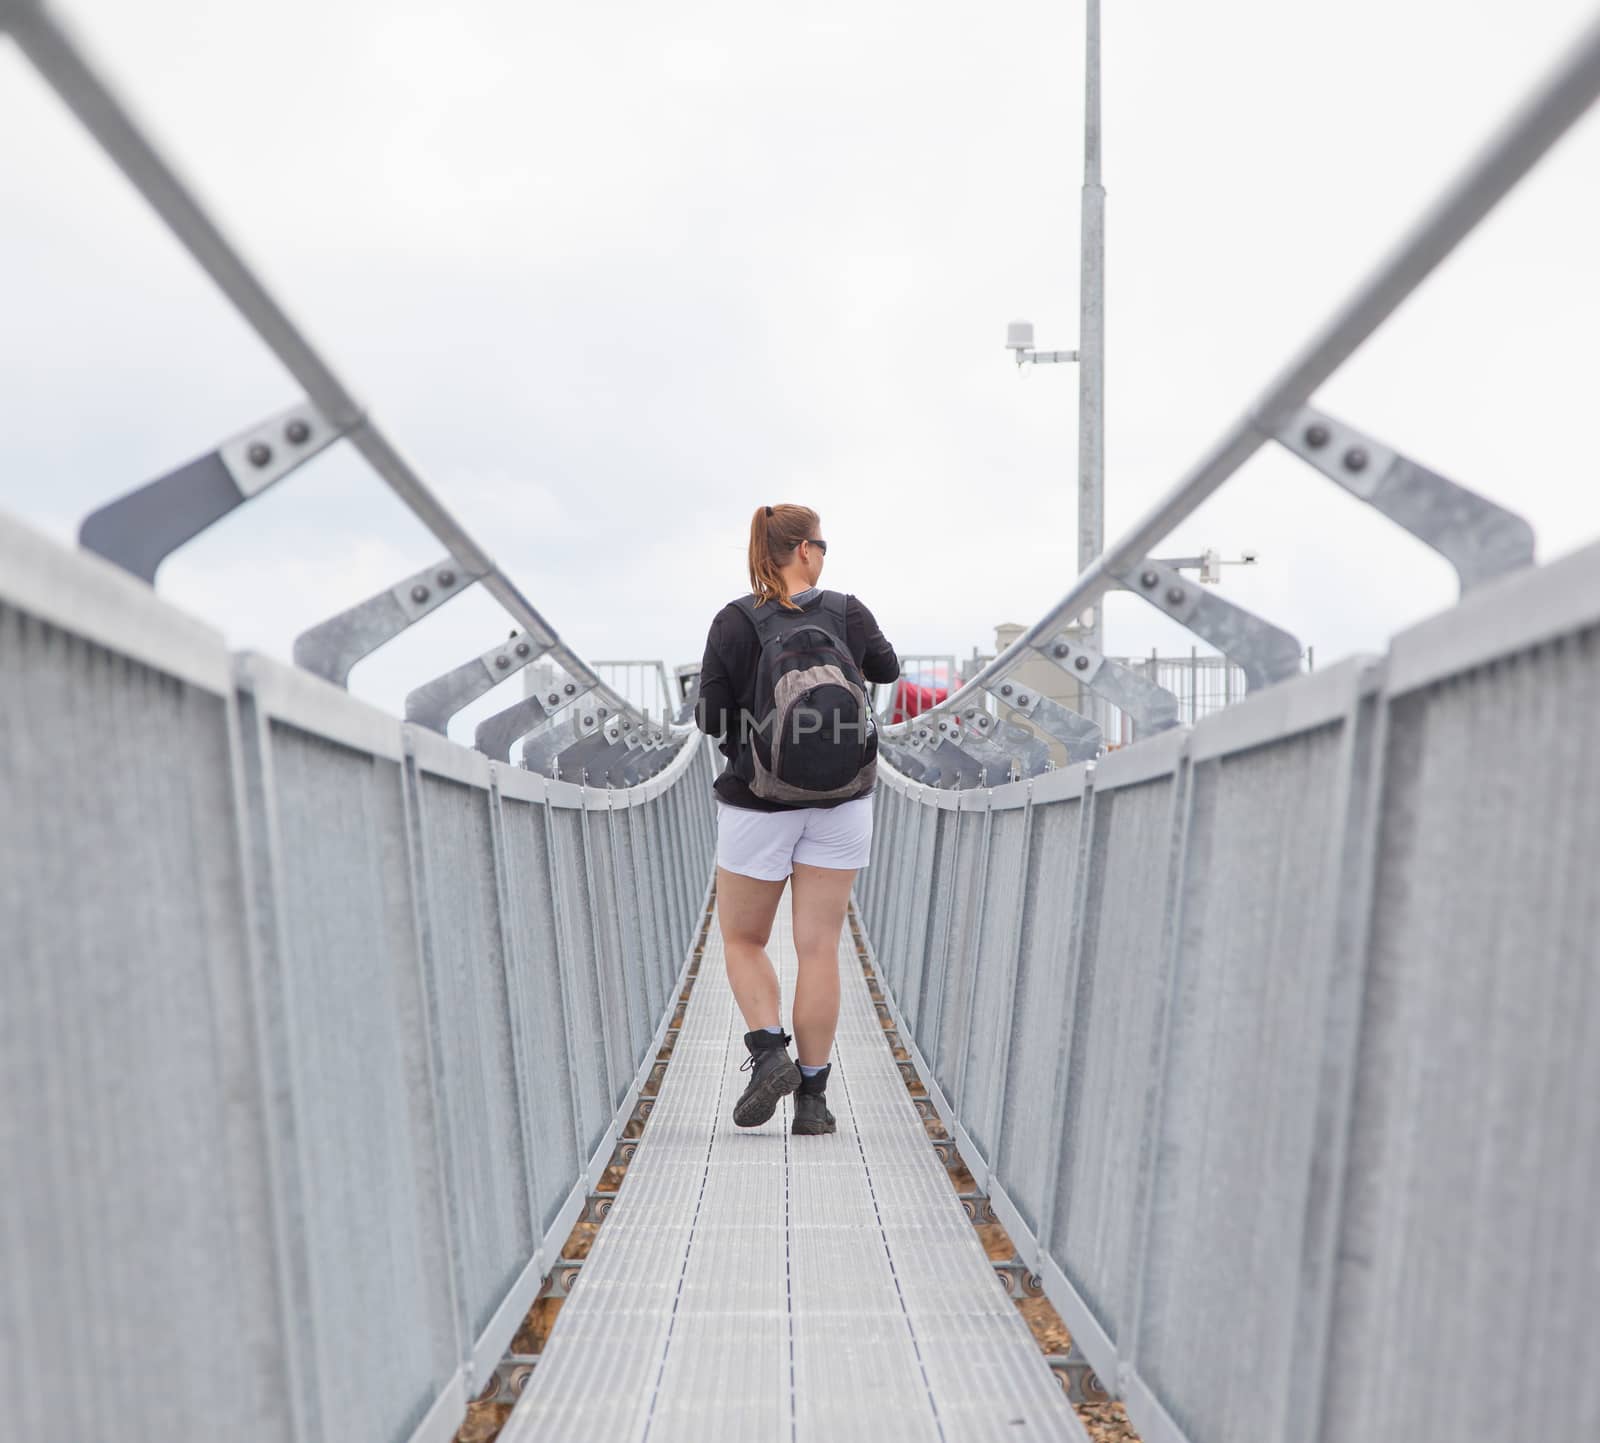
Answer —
754 1285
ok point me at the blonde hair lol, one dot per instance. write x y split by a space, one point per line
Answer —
775 531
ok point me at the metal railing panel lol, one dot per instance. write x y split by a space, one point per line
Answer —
616 1005
295 1065
1242 1084
1115 1017
580 974
346 1021
1469 1216
477 1081
941 878
992 975
1039 1014
131 1115
949 1014
648 954
531 933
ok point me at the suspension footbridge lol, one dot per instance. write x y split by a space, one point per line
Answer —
1271 1044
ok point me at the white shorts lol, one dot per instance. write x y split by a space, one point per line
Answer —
767 844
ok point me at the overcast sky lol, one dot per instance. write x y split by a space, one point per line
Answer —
615 274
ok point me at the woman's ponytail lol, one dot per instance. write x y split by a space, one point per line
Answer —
775 531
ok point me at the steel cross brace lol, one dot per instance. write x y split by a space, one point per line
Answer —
140 530
1266 653
1480 539
332 647
1153 708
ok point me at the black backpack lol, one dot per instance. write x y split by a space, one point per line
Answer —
814 737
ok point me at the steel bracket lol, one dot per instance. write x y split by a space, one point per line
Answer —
903 759
508 1379
993 764
1077 1377
988 735
1081 737
140 530
945 763
1264 652
332 647
1153 708
597 1207
562 1278
497 734
434 702
545 743
1478 538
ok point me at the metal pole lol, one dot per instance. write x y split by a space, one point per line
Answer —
1564 95
1092 329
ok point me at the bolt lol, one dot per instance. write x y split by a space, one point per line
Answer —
259 453
1175 595
570 687
1150 579
602 711
297 432
523 648
588 721
419 594
1006 689
1023 699
1061 648
1355 459
1316 437
1082 663
447 578
502 661
553 699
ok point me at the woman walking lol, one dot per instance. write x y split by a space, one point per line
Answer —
782 683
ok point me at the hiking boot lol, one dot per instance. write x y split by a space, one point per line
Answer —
773 1074
811 1115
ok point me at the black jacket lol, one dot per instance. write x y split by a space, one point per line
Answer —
728 683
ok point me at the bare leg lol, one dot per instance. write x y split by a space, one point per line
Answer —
818 898
745 909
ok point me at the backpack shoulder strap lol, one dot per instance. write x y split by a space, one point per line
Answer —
835 603
760 617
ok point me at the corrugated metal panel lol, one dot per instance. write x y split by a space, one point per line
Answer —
531 931
1241 1086
1471 1226
993 981
477 1073
1121 987
1037 1017
132 1121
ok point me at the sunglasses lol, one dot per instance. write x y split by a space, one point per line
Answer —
819 543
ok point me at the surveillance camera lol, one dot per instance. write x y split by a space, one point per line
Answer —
1248 557
1019 336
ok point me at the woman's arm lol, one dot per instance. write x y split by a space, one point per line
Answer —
715 700
880 661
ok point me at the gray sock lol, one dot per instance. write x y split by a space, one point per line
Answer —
808 1071
774 1030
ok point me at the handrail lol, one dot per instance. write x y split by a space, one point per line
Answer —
1552 108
